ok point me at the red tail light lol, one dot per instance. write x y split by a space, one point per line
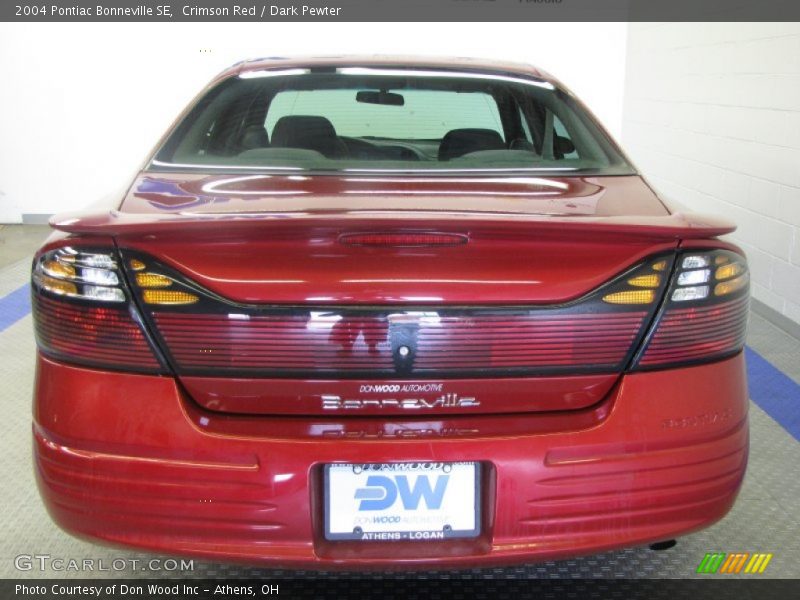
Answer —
203 334
91 335
85 312
704 316
436 342
82 312
403 239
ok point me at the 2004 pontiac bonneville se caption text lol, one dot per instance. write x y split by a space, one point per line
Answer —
168 10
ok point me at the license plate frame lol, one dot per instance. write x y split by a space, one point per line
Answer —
465 514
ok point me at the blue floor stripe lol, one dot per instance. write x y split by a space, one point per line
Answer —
776 393
14 306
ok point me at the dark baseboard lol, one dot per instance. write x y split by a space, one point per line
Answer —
773 316
35 218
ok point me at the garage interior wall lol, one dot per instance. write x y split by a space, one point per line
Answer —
712 118
83 103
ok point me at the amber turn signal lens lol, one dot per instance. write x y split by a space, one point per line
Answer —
729 270
152 280
646 281
728 287
137 265
57 286
169 297
55 268
631 297
659 266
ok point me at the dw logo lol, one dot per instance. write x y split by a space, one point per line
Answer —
381 492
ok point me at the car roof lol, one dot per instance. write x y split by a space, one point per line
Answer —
413 62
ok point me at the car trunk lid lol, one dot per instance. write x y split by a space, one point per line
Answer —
458 296
282 239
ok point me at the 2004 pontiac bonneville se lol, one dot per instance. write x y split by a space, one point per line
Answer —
366 312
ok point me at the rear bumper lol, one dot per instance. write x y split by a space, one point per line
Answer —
127 459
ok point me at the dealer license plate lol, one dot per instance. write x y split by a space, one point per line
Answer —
402 501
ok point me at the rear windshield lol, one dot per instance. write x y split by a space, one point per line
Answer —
359 119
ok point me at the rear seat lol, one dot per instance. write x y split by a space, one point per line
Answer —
309 132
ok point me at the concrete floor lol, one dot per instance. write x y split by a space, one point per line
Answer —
20 241
766 517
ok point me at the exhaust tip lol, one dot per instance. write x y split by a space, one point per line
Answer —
665 545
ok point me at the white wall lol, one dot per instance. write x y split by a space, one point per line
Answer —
712 117
81 104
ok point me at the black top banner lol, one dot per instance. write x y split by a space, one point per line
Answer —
399 10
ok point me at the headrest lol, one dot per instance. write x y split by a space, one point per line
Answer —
254 136
459 142
306 131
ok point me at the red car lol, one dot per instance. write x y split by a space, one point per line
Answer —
367 312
